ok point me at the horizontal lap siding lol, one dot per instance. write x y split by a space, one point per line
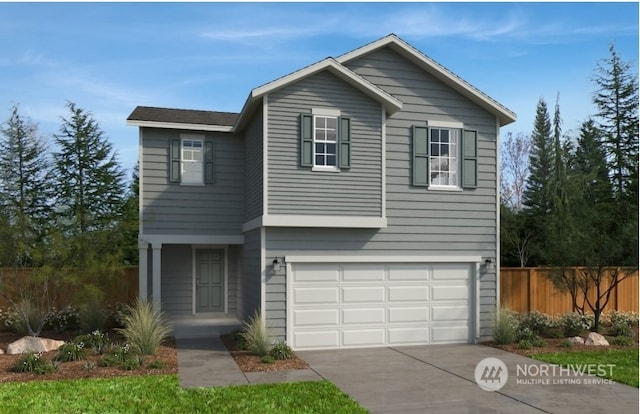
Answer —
253 168
298 190
177 279
249 284
170 208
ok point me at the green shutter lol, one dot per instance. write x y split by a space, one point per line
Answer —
174 161
469 159
344 157
420 156
306 140
209 165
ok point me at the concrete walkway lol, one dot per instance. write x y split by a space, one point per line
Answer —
205 362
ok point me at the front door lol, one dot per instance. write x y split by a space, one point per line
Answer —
210 280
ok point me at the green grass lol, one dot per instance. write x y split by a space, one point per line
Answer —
625 361
162 394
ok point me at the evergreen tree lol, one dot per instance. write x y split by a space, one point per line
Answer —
130 221
25 185
617 103
89 179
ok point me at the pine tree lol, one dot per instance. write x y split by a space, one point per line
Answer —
617 103
89 179
25 184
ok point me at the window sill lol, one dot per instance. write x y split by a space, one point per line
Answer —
192 184
326 169
444 188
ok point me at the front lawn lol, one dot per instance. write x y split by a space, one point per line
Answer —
625 361
162 394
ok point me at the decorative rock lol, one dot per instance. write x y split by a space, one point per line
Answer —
1 351
576 340
33 344
596 339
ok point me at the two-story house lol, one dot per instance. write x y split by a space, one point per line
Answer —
353 202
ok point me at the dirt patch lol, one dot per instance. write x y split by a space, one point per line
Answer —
166 353
251 363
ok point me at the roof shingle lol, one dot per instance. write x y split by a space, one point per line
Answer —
183 116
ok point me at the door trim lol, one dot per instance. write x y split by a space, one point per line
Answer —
225 270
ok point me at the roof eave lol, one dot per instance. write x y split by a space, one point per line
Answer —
179 125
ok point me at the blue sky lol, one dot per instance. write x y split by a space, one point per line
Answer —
110 57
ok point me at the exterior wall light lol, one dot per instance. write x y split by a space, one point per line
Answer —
276 265
490 265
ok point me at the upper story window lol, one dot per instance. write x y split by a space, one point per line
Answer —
325 139
191 160
445 156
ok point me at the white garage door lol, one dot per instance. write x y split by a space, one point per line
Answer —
349 305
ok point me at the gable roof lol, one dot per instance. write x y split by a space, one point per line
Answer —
391 104
505 115
148 116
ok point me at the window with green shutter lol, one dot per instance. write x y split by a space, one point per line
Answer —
191 160
325 141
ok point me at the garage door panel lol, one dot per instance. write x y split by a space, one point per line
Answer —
408 336
408 293
302 296
450 313
316 339
361 316
453 271
316 272
363 337
408 314
379 304
363 294
359 272
450 292
408 271
316 317
448 334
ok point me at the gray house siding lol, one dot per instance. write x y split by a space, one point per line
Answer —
249 284
171 208
420 221
253 168
297 190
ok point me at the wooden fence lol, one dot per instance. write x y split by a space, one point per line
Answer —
122 288
529 289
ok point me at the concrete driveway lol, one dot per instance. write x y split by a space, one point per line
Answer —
440 379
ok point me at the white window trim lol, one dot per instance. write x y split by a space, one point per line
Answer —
191 137
325 112
448 126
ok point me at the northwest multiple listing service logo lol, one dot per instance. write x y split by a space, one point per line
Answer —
491 374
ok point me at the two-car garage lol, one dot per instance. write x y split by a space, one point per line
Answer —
353 304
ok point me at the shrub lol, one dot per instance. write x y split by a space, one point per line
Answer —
92 318
118 354
504 327
525 344
72 351
256 335
34 363
566 344
97 341
156 364
621 323
267 359
27 319
621 341
537 322
63 320
116 314
573 324
134 362
145 327
281 351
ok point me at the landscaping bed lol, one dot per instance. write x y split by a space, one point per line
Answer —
166 357
247 362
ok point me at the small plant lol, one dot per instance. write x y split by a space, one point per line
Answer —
117 355
71 351
156 364
537 322
63 320
504 327
90 365
33 362
566 344
97 341
573 324
92 317
267 359
621 341
256 335
132 363
281 351
525 344
145 327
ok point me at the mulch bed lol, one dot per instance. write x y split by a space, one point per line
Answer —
166 353
251 363
554 345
